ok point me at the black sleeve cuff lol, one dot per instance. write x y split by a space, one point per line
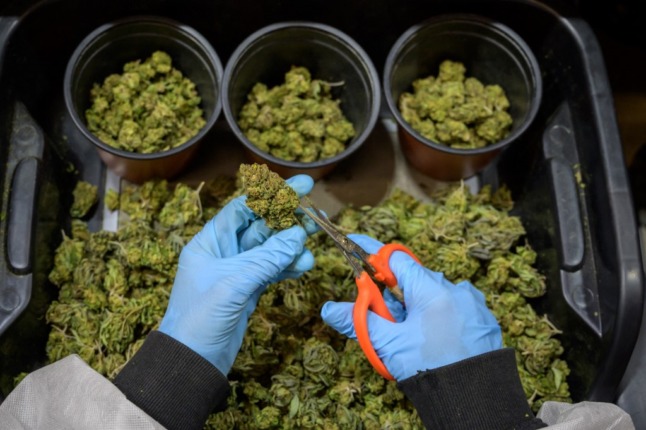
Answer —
480 392
171 383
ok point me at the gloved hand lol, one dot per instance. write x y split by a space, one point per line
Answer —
222 272
442 323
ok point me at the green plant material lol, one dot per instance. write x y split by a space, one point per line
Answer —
114 287
183 207
456 111
269 196
461 234
68 256
150 107
298 120
111 199
293 371
85 197
143 203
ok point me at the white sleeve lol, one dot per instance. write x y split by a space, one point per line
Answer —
584 415
69 394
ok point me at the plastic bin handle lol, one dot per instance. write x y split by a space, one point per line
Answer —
570 228
21 214
559 150
20 201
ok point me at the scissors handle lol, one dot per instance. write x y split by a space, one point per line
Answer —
369 297
380 260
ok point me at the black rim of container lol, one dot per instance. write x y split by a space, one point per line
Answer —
82 47
231 117
471 18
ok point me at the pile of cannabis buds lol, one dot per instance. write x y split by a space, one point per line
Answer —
293 371
455 110
298 120
150 107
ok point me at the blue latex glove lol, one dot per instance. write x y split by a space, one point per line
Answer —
222 272
442 323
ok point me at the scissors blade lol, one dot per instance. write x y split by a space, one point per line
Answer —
322 221
351 250
346 244
356 256
352 261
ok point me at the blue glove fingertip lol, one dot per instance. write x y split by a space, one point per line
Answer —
295 234
302 184
308 223
289 242
338 315
303 262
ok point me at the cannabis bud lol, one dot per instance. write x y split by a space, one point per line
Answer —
150 107
85 197
456 111
269 196
297 120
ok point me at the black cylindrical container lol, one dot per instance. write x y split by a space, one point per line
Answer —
107 49
492 53
330 55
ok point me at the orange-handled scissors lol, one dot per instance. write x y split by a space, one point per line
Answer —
372 272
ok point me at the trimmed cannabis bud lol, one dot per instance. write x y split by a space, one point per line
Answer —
85 197
151 107
297 121
269 196
293 371
111 199
454 111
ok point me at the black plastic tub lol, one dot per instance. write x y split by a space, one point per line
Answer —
569 180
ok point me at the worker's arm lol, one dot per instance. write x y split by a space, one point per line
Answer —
445 351
69 392
178 376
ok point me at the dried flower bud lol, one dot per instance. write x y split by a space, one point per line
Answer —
298 120
454 111
269 196
85 197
